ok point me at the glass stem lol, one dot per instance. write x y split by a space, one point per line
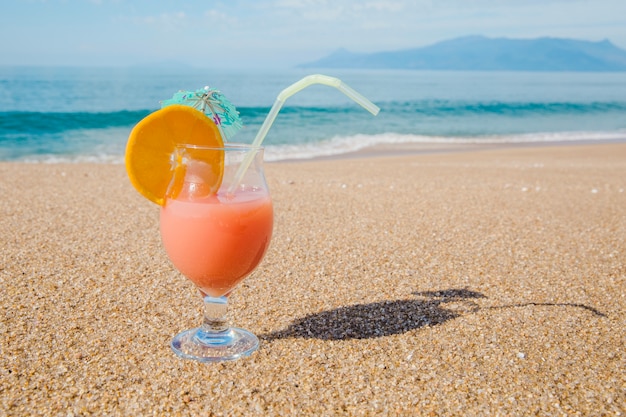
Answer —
215 320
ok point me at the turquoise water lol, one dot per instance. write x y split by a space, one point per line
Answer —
85 114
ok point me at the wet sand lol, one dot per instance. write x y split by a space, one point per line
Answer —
482 282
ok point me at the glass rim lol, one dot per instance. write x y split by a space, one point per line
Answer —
230 146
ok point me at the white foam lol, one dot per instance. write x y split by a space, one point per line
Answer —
71 159
346 144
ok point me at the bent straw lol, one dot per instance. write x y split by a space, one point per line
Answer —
278 104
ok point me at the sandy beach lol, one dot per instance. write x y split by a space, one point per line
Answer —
488 282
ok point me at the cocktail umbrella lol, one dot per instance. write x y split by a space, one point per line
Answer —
212 103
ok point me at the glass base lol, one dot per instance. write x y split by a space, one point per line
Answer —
203 346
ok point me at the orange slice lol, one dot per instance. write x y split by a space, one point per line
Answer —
152 143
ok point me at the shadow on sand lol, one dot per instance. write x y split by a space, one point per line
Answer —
364 321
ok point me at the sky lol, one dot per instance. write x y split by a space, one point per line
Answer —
250 34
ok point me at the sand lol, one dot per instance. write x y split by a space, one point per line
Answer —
482 282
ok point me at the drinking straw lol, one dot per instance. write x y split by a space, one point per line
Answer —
278 104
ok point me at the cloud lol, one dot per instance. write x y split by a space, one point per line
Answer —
163 20
214 16
299 4
314 10
381 6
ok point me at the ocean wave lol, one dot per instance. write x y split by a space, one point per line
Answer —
506 108
21 122
16 123
341 145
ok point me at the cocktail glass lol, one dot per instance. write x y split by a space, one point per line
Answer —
216 233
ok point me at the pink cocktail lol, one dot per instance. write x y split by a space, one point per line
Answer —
217 241
216 234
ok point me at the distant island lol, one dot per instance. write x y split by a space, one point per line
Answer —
479 53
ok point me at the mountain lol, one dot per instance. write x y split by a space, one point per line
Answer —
479 53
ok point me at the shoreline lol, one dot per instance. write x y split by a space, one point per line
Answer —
422 148
485 282
375 151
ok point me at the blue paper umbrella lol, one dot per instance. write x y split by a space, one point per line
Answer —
212 103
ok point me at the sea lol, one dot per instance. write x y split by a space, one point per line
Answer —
84 114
